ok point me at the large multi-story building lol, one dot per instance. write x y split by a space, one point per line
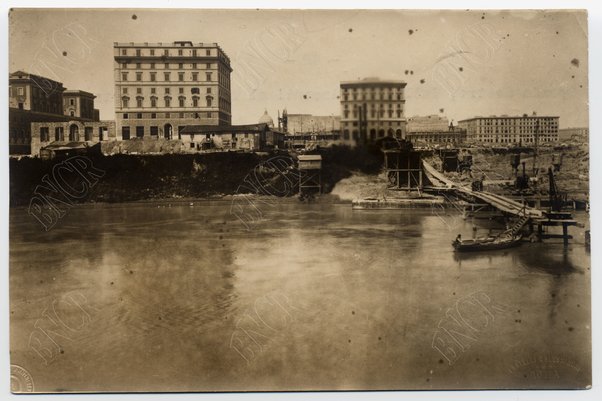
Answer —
371 109
33 98
160 88
504 130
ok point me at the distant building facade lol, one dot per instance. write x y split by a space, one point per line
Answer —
574 134
308 123
452 137
251 137
78 103
309 131
160 88
506 130
432 123
372 109
34 98
433 130
308 140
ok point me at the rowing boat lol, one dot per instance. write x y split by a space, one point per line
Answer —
487 244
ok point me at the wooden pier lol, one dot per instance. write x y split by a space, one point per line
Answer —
487 201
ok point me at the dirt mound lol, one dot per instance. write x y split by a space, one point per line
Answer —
143 146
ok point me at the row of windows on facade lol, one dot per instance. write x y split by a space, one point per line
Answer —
516 136
140 116
435 135
373 113
379 123
59 134
71 101
154 131
514 130
36 92
374 96
125 101
84 103
73 136
224 80
373 106
435 138
166 52
44 105
381 106
167 76
41 101
520 121
373 134
166 66
515 139
194 91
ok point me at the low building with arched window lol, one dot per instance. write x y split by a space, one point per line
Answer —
44 134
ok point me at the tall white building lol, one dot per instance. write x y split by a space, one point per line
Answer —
371 109
160 88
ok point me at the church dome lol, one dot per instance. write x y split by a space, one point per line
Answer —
266 119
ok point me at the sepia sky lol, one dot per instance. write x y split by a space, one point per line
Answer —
458 64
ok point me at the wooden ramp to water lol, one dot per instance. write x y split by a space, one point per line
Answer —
500 202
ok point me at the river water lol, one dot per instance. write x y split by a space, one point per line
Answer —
159 297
